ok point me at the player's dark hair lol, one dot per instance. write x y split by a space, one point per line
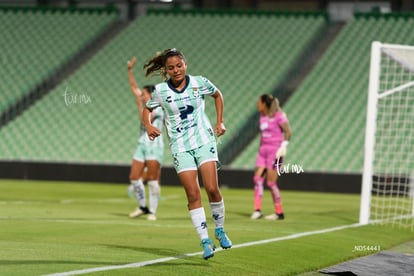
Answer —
157 63
272 103
150 88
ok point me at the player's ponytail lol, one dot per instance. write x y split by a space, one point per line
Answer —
272 103
157 63
149 87
276 105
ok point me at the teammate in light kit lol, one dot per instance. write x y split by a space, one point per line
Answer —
148 155
275 134
192 138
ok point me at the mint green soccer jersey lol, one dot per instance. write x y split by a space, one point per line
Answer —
157 118
188 126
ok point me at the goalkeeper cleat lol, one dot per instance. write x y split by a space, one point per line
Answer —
138 212
151 217
225 242
256 215
275 217
208 247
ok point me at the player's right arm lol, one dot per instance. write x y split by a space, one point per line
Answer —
135 89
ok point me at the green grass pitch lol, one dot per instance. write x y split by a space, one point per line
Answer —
51 227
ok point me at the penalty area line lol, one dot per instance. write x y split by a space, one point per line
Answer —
167 259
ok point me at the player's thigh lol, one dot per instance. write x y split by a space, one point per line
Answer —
137 167
207 160
259 171
272 175
189 181
153 168
208 172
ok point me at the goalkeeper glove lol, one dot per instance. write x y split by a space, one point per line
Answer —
282 149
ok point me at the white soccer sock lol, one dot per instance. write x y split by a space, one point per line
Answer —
218 213
198 217
139 192
154 195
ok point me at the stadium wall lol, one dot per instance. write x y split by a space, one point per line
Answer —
231 178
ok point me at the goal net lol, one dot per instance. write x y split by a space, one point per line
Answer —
388 177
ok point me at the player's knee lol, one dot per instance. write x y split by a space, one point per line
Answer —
193 201
152 176
193 197
214 194
271 184
133 175
257 180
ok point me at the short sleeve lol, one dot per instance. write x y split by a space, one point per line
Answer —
209 87
282 118
153 102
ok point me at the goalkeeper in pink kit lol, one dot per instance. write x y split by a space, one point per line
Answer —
274 139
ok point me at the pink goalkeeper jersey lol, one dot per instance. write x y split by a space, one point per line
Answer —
271 131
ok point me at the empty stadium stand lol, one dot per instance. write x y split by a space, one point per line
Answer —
36 42
105 129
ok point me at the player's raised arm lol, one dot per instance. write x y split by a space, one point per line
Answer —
220 129
135 89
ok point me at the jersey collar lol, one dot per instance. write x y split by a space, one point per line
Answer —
171 86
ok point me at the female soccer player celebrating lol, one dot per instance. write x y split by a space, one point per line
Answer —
148 154
191 137
275 134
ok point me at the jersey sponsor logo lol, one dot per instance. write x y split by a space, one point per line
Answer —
264 126
170 99
180 129
185 111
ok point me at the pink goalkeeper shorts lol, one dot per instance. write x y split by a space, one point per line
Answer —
266 157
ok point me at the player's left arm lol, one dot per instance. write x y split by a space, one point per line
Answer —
220 129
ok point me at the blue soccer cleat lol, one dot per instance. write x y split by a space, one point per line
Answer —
208 247
225 242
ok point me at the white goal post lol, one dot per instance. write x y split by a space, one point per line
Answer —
388 176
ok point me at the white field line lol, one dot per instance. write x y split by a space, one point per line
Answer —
167 259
